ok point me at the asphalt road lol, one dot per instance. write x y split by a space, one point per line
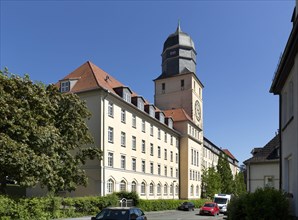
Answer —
170 215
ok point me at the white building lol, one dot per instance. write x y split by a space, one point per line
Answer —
155 149
263 167
285 84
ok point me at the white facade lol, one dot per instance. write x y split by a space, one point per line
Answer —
285 85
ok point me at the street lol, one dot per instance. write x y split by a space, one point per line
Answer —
170 215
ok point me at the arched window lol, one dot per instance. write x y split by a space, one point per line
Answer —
143 188
158 189
165 190
177 190
110 186
133 186
122 185
191 190
197 190
171 189
151 189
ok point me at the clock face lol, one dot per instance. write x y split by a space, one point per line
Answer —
198 110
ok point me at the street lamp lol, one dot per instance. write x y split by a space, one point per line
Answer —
174 188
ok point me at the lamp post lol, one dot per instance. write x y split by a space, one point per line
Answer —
174 188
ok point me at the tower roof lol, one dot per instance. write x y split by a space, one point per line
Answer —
178 38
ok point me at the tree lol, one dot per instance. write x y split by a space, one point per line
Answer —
210 183
43 135
226 176
240 186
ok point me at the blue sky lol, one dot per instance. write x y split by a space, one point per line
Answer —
238 47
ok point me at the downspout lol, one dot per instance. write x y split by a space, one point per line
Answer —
107 92
280 144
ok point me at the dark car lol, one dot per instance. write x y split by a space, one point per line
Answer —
209 208
120 213
187 206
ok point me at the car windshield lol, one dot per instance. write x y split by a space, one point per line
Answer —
220 200
113 214
209 205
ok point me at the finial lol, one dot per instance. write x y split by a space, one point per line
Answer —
178 27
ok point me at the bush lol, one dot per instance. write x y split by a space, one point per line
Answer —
265 204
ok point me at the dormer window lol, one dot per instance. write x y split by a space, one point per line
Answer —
140 104
65 86
126 95
161 118
151 111
170 123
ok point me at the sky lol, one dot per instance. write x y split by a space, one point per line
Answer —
238 46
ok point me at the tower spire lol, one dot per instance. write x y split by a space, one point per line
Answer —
178 27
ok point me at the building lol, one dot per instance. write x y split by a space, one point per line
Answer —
285 84
263 167
155 149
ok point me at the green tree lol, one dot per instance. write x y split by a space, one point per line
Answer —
43 135
210 183
226 176
240 186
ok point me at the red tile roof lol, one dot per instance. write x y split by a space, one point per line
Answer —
227 152
177 114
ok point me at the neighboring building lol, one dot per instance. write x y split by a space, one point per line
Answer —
155 149
263 167
285 84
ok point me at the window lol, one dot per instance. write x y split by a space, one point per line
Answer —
177 189
176 173
143 188
176 157
151 168
134 121
182 84
140 104
191 190
143 146
158 134
171 172
171 189
111 134
133 143
166 156
110 159
143 126
111 109
123 139
143 166
122 185
123 162
165 190
163 87
133 186
151 189
65 86
151 130
166 137
158 152
166 171
151 149
110 186
171 156
123 116
151 111
269 181
158 189
158 169
171 141
191 156
133 164
126 95
197 190
197 158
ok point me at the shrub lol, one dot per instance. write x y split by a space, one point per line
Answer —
266 204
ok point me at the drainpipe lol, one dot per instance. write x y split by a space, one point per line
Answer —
280 144
107 92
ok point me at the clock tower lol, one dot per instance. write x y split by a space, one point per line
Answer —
178 85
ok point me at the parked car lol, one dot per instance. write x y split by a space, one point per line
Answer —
209 208
187 206
120 213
